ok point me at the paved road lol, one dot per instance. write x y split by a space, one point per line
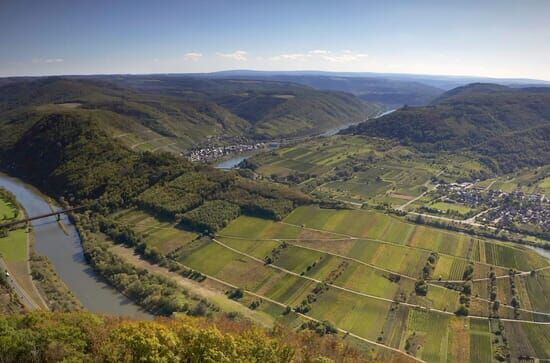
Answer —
21 293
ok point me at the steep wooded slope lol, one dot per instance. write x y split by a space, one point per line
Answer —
509 126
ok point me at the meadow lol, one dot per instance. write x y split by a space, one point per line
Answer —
7 211
358 270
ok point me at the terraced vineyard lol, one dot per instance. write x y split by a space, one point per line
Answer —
358 170
394 286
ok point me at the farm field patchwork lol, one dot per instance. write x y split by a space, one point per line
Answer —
378 226
378 258
351 168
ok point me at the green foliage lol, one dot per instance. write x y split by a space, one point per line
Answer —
507 127
421 287
211 216
60 298
46 337
185 108
85 337
321 328
154 292
462 311
236 294
71 157
207 199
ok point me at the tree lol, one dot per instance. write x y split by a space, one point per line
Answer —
421 288
462 311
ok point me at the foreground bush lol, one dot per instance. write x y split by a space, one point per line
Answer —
78 336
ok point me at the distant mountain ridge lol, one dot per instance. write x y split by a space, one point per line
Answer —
444 82
509 127
182 110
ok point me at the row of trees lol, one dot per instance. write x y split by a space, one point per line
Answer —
153 292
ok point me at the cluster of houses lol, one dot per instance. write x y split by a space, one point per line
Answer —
211 153
520 208
503 208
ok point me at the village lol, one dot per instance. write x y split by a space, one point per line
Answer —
211 153
503 209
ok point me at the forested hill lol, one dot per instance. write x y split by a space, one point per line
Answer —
508 127
392 93
184 110
72 157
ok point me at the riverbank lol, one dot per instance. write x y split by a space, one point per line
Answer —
64 250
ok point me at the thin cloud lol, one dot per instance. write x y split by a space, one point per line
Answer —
290 56
319 51
345 56
239 55
192 56
48 60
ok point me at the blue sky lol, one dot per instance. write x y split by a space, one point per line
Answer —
500 38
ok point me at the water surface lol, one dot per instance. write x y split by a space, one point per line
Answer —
65 252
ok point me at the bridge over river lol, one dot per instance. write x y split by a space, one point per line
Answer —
63 247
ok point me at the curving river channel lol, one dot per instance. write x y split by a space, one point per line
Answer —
65 252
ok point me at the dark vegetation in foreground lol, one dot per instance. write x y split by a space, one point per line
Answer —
84 337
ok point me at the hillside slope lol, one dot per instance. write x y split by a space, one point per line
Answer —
71 157
506 125
273 108
388 92
175 113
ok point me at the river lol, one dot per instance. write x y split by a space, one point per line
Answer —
233 162
337 129
541 251
65 252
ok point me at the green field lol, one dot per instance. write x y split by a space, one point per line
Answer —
362 316
456 207
480 341
162 235
369 260
432 331
372 169
7 211
13 248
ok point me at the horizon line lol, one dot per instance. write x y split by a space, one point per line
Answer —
514 78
